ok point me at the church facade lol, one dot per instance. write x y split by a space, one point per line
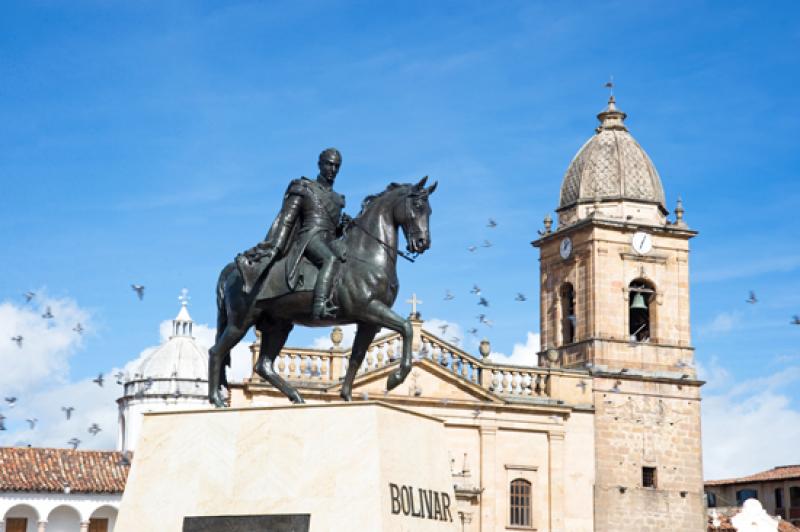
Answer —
603 433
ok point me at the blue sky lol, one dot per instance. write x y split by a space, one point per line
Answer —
149 142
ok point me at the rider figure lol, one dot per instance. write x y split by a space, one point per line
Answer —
316 209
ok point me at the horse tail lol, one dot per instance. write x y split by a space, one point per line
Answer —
222 314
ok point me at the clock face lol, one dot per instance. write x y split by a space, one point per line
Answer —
642 243
566 248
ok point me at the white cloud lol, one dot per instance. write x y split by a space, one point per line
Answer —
452 333
522 354
722 323
751 426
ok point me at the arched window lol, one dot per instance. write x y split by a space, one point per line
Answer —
520 502
568 319
640 314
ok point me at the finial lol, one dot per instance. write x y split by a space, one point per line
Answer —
611 117
679 213
610 86
548 224
337 336
182 324
414 302
485 348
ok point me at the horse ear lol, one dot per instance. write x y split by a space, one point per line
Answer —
432 188
421 183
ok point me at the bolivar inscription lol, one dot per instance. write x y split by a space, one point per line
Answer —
422 503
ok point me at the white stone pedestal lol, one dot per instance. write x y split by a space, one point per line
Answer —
365 466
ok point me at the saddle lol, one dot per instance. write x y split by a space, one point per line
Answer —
292 273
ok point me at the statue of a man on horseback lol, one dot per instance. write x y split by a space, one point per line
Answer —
299 275
311 218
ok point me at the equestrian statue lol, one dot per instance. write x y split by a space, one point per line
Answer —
318 267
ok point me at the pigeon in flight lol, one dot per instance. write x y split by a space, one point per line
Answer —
29 296
482 319
473 331
94 429
139 289
455 340
483 302
475 290
2 422
17 340
448 295
472 248
492 224
74 442
520 297
443 328
78 328
48 314
32 422
486 244
68 411
11 401
752 299
795 320
99 380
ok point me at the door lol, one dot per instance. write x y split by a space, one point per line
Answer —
16 524
98 525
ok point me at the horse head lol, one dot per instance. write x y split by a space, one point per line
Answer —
413 215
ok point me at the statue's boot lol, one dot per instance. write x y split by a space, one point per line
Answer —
323 307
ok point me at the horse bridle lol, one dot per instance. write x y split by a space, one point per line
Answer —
410 257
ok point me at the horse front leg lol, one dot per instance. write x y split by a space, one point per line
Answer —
382 316
364 335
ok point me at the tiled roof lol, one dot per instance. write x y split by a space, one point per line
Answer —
776 473
726 526
42 469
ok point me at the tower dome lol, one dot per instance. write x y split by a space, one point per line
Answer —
612 176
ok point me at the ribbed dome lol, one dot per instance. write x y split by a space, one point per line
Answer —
180 357
611 166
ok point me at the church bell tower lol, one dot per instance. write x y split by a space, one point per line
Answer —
614 299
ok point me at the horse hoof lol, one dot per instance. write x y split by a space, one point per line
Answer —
298 400
346 396
395 379
217 402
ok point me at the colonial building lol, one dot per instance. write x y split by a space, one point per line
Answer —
777 489
604 434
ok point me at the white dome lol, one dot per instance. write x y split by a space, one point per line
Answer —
181 357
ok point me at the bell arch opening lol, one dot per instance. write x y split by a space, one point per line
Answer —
568 317
641 314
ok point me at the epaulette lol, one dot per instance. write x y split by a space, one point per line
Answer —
298 186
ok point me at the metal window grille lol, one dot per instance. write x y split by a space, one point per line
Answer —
520 503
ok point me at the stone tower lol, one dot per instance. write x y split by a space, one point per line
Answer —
614 299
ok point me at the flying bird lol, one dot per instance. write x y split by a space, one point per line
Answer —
139 289
520 297
11 401
448 295
2 422
473 331
32 422
99 380
28 296
455 340
443 328
472 248
48 314
78 329
486 244
482 319
68 411
483 302
17 340
74 442
94 428
492 224
475 290
582 385
795 320
752 299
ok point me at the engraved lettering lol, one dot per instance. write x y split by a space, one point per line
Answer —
446 505
395 494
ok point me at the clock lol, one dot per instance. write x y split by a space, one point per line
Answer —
566 248
642 242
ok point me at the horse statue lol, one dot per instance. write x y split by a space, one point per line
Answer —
365 288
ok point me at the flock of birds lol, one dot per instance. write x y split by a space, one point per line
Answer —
752 299
94 429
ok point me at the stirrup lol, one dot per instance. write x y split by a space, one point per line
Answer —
323 308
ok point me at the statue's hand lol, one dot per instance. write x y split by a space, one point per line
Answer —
260 252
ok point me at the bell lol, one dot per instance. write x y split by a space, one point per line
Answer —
638 302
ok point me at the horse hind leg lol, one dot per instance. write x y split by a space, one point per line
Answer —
273 338
221 350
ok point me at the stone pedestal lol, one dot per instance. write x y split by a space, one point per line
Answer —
352 466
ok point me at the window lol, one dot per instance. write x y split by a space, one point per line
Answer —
568 319
16 524
648 477
520 503
743 495
711 499
778 497
640 297
794 496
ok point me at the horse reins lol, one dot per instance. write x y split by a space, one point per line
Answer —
410 257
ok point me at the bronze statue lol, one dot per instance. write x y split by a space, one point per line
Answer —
303 274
